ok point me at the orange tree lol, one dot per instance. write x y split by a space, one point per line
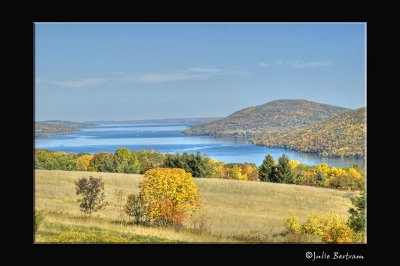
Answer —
170 194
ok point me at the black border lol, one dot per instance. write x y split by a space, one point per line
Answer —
210 253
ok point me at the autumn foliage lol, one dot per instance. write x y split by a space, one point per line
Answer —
330 227
170 194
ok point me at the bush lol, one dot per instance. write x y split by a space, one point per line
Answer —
135 208
200 223
293 225
317 224
170 195
338 233
92 193
330 227
38 218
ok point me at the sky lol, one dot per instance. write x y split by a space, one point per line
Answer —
128 71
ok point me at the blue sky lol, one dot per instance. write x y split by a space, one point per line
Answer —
114 71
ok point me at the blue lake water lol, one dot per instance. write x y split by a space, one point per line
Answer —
167 138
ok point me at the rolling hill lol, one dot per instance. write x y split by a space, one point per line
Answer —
233 209
58 127
343 135
275 116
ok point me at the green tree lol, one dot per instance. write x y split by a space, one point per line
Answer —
149 160
284 172
122 160
200 165
102 162
135 164
267 169
357 214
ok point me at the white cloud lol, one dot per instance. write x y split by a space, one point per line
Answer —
79 84
159 77
263 64
203 70
302 64
193 73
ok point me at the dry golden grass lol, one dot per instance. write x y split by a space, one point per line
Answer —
232 207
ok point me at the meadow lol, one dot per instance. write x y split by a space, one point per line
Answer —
234 210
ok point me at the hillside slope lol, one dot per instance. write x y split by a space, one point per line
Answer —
267 118
57 127
232 208
343 135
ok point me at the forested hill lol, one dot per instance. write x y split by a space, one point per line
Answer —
343 135
57 127
275 116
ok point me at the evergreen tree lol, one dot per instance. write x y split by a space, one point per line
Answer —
201 165
357 214
284 171
267 169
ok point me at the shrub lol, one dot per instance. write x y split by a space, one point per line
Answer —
317 224
92 193
170 194
293 225
38 218
338 233
136 208
199 222
330 227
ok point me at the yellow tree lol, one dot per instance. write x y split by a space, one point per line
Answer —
236 173
83 163
170 194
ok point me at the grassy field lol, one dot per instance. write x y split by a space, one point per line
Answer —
233 209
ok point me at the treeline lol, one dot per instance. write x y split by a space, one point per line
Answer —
200 165
133 162
293 172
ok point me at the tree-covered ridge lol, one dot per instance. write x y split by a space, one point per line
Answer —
275 116
343 135
57 127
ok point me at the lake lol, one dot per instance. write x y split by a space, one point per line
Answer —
168 138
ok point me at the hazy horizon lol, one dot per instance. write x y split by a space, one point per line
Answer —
165 118
144 71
